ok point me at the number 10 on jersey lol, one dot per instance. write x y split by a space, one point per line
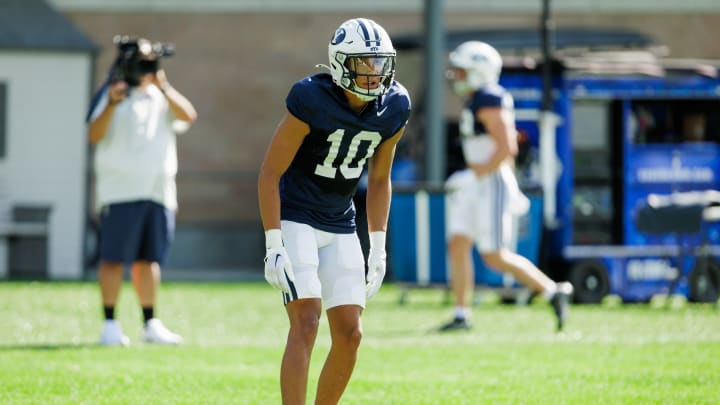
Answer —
326 169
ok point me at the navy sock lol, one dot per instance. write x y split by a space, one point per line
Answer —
109 312
148 313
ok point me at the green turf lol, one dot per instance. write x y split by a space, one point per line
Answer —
622 354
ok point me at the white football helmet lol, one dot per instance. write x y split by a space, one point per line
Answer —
482 65
361 49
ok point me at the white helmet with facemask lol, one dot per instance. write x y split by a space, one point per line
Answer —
482 65
360 48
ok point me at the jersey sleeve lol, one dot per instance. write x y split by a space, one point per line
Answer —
405 107
488 97
296 101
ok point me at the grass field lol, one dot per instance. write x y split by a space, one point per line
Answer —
621 354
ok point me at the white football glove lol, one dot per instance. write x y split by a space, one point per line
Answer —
278 269
376 263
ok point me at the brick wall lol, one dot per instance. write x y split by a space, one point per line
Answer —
237 68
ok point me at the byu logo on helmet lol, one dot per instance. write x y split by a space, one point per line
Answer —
339 36
479 58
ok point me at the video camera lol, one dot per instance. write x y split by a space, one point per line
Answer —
136 57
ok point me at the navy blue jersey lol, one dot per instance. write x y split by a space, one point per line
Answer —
318 187
488 96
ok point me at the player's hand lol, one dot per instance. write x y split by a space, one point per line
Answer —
278 269
376 263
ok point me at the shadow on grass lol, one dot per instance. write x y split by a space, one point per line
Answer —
48 346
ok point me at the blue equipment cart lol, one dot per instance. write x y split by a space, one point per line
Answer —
626 124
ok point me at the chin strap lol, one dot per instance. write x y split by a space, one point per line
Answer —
320 66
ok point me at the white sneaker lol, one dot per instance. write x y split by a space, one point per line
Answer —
112 334
156 332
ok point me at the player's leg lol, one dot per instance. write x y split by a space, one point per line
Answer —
463 276
304 316
345 334
158 229
303 307
496 233
529 275
494 241
522 269
342 275
460 219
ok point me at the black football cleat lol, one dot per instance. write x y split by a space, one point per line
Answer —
561 303
455 324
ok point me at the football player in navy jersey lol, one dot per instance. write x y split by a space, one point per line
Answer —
336 124
484 199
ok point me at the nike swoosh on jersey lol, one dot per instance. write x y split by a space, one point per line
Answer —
381 112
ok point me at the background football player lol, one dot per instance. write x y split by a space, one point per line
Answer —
484 198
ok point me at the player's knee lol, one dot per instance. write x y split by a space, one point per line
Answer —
459 244
305 327
495 260
310 324
350 338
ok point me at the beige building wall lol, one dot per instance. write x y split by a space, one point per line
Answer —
238 67
45 164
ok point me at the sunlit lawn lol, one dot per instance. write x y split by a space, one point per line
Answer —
626 354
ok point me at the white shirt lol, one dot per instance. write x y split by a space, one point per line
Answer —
137 157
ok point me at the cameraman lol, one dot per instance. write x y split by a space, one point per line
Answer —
132 128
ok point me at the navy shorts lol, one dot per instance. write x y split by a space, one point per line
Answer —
138 230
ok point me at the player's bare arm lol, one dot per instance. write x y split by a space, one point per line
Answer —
379 187
286 141
503 133
378 208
